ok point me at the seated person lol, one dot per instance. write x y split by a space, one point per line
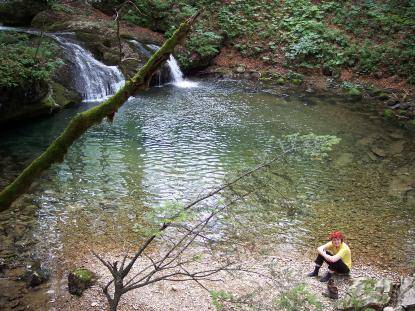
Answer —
336 254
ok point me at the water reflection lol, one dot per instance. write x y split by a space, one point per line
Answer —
175 143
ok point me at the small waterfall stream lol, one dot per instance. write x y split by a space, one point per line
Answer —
176 75
94 80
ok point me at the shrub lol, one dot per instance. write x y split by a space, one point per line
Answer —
298 298
18 65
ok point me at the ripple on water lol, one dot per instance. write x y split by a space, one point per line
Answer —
171 144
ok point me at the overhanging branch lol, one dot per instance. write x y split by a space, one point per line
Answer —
83 121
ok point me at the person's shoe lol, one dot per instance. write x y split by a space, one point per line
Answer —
315 272
326 277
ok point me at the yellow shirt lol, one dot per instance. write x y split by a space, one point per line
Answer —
343 251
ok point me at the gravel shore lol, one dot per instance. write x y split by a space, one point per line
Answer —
259 289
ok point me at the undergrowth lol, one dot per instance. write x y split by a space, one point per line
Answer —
369 37
23 61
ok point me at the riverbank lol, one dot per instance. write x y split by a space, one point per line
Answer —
283 270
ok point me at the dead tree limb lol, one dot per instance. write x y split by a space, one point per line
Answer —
81 122
118 17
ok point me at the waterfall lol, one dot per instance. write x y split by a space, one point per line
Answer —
176 75
93 79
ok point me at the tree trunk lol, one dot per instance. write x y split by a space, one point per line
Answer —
84 120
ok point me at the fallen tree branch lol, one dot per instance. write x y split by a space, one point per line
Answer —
83 121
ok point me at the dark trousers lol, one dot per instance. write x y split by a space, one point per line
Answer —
338 266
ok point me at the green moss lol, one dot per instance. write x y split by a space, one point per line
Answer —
280 81
388 113
64 97
49 103
84 274
354 92
297 81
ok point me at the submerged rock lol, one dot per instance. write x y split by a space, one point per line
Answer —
366 293
36 275
397 147
79 280
378 151
344 159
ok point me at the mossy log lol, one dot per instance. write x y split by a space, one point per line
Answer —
84 120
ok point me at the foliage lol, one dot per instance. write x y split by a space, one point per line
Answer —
18 65
204 43
369 37
298 298
218 297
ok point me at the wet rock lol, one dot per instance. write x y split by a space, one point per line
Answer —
396 135
405 106
368 140
395 106
406 295
64 96
378 151
396 147
36 275
366 293
400 185
246 76
240 69
79 280
3 265
254 75
30 209
344 159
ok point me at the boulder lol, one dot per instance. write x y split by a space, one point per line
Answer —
63 96
79 280
36 275
406 294
366 293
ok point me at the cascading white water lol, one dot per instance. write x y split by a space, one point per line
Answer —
94 80
175 73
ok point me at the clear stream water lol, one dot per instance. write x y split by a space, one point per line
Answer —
171 144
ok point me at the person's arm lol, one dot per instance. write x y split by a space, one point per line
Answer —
322 251
330 258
